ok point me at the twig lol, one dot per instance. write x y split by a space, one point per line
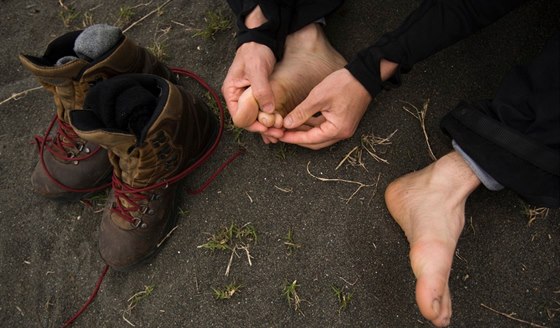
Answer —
249 257
141 5
349 283
421 117
167 236
230 261
286 190
511 317
346 157
360 185
147 15
251 199
62 5
18 95
375 189
369 141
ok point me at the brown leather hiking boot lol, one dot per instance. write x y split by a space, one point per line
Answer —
69 166
153 131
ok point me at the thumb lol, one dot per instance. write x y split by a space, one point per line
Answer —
262 91
300 114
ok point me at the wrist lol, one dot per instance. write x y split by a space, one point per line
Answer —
255 18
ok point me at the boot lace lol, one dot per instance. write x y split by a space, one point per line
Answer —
128 199
65 145
133 196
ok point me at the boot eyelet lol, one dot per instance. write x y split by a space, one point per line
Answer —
75 162
137 222
143 226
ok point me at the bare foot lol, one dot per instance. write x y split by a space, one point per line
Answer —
308 59
429 205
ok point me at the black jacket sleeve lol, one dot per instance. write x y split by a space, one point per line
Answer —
272 33
284 17
435 25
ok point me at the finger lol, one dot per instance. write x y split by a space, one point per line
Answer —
268 140
316 135
319 145
313 146
262 91
301 114
274 133
256 127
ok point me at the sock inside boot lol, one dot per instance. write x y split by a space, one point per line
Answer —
92 43
123 104
96 40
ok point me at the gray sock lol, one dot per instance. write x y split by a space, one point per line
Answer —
65 60
96 40
485 178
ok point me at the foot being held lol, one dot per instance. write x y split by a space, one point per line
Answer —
308 58
429 205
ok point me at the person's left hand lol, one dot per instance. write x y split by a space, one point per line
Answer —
341 100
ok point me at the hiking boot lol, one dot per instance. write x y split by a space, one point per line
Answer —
69 166
153 131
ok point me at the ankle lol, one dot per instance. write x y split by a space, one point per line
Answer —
307 35
452 173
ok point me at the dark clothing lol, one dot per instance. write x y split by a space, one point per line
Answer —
435 25
284 17
515 137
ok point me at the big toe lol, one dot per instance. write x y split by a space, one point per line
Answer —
433 299
247 110
431 266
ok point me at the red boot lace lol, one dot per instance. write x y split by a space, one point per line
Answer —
66 146
132 196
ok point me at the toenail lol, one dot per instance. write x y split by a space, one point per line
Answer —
436 306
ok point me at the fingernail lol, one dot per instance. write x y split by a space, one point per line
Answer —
288 121
436 306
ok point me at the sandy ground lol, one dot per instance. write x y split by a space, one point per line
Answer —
48 250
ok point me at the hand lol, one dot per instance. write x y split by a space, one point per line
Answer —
252 66
341 100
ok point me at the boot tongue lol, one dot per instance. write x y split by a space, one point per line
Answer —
123 104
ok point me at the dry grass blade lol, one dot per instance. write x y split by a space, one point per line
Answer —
353 159
360 184
157 10
420 115
510 316
370 141
290 291
227 292
533 213
18 95
133 302
233 238
167 236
